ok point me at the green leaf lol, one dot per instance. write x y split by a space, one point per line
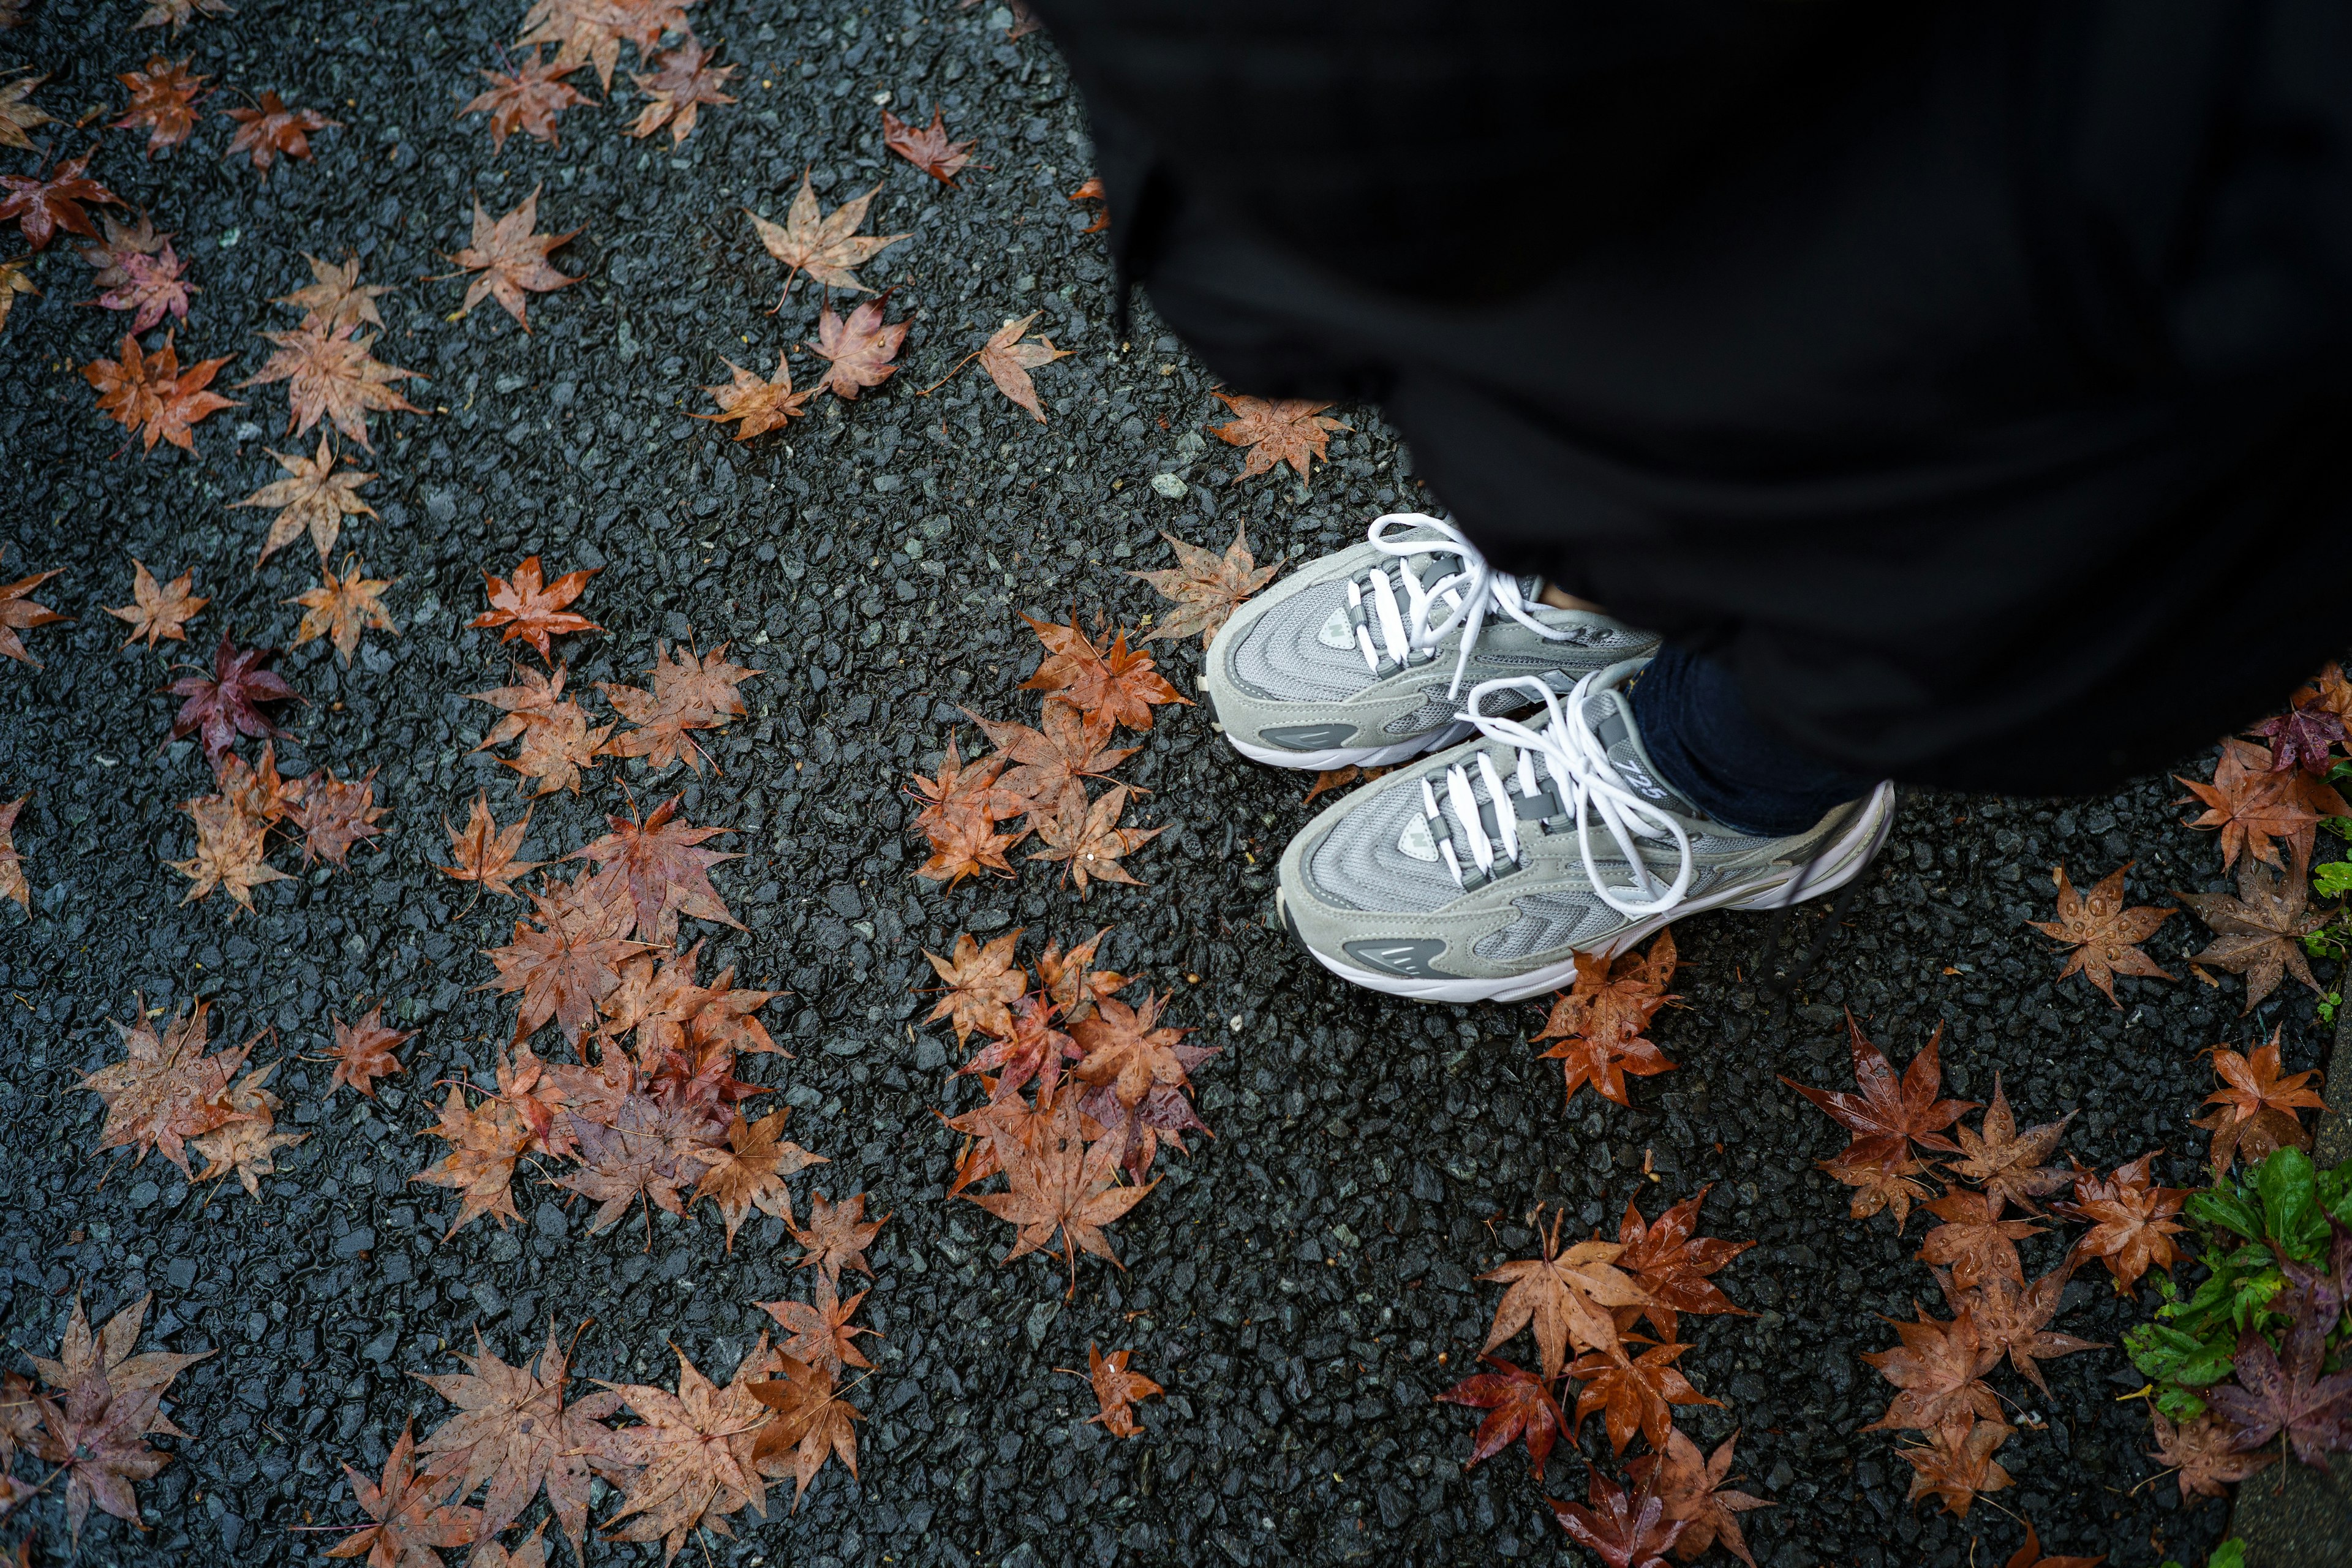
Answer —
2333 1190
2288 1186
2333 880
2231 1554
2179 1405
2169 1355
2222 1208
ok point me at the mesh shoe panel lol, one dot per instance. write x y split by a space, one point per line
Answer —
1359 864
1281 660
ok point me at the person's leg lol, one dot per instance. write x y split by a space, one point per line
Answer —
1707 746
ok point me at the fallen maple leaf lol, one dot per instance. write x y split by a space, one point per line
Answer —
528 101
837 1235
2260 932
821 1331
485 852
363 1052
19 612
1071 981
1087 840
859 350
269 130
1937 1370
2292 1397
340 608
179 13
584 32
156 613
2258 1100
1886 1118
1691 1486
761 405
163 99
656 866
123 241
2304 737
410 1512
2251 805
532 610
1622 1532
681 82
152 287
227 703
1207 587
826 249
2014 1319
149 394
1671 1264
1058 1183
2005 1164
1569 1299
749 1173
112 1401
982 984
335 297
314 496
2030 1556
1116 1390
330 374
812 1423
1008 362
12 875
19 114
248 1142
41 207
1956 1465
1600 1019
567 959
485 1141
1127 1052
165 1089
1291 430
514 1432
230 845
16 278
690 1464
511 259
1116 683
335 814
554 752
965 845
2203 1454
927 146
2131 1220
1520 1404
2105 935
1090 189
1043 763
1634 1394
1974 1241
689 693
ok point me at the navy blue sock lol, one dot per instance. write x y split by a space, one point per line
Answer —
1710 747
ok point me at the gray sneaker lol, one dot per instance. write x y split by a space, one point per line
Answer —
1416 885
1364 656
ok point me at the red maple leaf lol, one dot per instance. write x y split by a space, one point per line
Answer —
226 704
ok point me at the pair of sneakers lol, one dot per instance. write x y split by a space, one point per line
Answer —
1523 824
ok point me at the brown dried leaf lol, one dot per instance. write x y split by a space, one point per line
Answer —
340 608
363 1052
2260 932
681 82
927 146
2105 935
330 374
1115 1391
528 101
151 396
837 1235
156 614
313 497
335 297
689 693
1291 430
826 247
269 130
511 259
859 351
2007 1163
761 405
1207 587
485 852
531 609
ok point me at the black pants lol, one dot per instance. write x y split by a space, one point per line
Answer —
1707 745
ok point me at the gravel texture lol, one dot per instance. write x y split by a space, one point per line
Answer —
1305 1280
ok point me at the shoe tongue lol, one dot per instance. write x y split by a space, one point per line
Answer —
1610 719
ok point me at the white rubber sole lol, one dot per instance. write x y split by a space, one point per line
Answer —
1353 756
1839 864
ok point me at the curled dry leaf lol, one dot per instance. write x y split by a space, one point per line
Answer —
330 374
680 83
927 146
527 100
149 394
2131 1220
825 248
1282 430
158 613
1115 1391
2105 935
758 406
340 608
1956 1465
268 130
510 258
1206 587
528 609
162 99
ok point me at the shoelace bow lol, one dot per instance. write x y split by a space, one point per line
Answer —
1467 597
1579 785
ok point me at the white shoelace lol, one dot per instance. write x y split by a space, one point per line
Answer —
1461 598
1584 788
